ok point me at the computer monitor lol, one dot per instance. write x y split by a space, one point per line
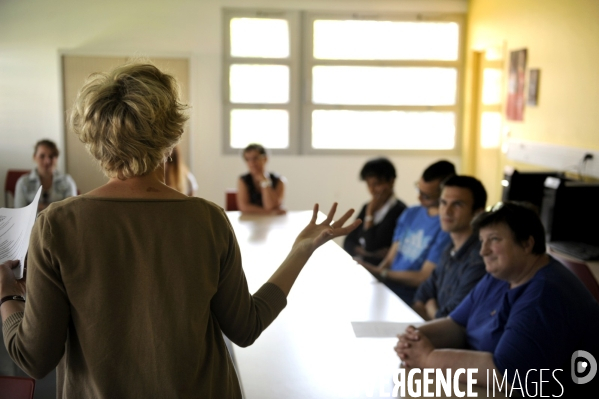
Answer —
570 211
525 186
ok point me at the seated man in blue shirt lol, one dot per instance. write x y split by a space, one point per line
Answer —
460 266
371 240
418 240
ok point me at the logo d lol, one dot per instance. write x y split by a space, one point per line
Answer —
582 366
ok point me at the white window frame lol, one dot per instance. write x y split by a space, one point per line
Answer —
301 62
293 62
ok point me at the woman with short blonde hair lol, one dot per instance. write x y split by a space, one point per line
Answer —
133 284
130 119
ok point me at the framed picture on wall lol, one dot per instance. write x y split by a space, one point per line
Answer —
515 90
533 87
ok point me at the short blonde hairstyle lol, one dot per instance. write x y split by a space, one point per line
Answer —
129 119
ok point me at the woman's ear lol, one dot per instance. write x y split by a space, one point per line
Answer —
529 244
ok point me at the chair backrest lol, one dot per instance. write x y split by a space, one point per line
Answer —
231 200
16 387
10 183
583 273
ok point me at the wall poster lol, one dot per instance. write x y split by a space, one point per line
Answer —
533 87
515 92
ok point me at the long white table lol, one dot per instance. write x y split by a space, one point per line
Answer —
310 350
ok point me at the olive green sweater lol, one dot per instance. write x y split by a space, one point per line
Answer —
132 297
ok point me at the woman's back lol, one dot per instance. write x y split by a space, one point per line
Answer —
148 285
132 285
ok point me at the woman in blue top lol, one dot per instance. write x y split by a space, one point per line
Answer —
523 322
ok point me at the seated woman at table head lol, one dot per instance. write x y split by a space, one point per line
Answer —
528 313
133 284
259 191
56 186
372 239
177 174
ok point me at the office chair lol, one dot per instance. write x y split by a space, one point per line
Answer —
231 200
12 175
581 271
16 387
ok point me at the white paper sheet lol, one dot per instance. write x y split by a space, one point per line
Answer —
380 329
15 230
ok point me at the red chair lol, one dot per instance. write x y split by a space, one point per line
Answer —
231 200
583 273
16 387
10 183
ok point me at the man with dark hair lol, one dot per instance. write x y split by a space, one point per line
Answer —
372 239
418 240
460 266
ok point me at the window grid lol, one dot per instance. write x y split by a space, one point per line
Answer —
301 62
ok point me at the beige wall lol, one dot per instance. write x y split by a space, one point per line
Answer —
562 38
34 34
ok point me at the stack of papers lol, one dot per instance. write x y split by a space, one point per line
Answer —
15 230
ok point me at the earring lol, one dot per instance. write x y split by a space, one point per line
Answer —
170 159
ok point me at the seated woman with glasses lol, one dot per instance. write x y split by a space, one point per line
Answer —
56 186
259 191
529 313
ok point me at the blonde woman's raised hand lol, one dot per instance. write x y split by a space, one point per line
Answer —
314 235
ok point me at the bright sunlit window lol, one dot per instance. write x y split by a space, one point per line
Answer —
259 37
383 85
341 82
385 40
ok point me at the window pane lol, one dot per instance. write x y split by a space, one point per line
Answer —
383 85
259 84
259 37
379 130
269 127
386 40
490 129
492 86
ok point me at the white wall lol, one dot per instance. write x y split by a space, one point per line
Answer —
34 34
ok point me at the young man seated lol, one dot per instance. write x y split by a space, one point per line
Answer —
372 239
418 240
460 266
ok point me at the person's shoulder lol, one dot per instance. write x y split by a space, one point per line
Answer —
58 209
67 177
414 210
410 215
204 205
245 177
555 279
399 206
552 274
275 177
63 181
556 291
26 177
552 288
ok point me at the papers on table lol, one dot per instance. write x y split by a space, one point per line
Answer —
15 230
380 329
